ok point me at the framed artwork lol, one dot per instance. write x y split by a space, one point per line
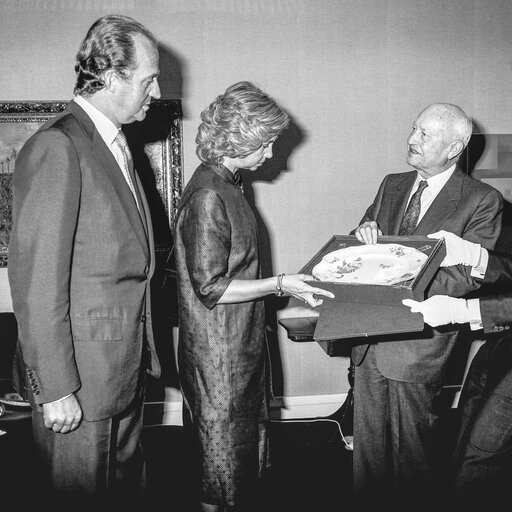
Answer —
156 145
489 159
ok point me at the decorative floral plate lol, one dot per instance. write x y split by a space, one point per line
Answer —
370 264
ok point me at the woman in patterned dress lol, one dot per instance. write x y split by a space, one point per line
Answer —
222 347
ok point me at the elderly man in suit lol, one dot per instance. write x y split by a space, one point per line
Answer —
80 263
398 382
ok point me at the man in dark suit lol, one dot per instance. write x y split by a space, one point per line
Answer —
481 470
80 263
398 383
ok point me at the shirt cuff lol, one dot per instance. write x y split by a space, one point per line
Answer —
474 314
59 399
481 267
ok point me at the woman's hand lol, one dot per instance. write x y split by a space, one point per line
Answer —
296 286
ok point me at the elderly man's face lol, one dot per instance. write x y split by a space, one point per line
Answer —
429 144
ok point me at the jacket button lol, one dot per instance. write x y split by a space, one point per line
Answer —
143 318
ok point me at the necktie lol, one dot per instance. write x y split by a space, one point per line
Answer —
238 180
413 211
128 163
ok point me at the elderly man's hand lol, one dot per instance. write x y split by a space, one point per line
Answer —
368 232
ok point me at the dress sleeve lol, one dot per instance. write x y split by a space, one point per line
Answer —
207 240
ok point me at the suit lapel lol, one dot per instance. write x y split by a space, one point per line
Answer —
399 200
107 163
443 205
146 214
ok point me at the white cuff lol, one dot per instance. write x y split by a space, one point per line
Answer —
59 399
480 269
474 314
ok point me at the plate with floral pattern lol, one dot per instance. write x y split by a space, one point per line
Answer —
385 264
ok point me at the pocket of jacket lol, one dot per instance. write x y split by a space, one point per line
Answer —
107 328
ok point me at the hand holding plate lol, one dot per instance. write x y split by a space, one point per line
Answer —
368 232
458 251
440 310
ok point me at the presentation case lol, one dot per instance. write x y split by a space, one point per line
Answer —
361 310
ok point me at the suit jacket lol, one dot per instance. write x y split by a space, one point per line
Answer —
466 207
496 310
81 258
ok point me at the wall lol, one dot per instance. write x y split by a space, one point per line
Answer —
353 74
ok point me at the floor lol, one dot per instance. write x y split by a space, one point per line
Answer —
311 468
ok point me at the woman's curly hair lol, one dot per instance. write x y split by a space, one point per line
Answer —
109 44
237 123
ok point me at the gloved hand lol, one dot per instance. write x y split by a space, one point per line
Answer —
440 310
458 251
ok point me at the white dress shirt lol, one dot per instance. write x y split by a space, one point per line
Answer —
435 184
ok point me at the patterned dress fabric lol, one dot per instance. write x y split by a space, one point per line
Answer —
412 213
222 349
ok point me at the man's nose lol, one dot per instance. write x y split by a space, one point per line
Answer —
412 137
155 91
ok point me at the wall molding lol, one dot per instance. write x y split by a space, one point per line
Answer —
169 412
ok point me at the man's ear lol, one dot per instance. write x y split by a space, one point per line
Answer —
456 149
110 79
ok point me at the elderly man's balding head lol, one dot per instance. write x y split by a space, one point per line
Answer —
458 125
438 138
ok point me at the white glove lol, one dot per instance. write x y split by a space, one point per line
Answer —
440 310
458 251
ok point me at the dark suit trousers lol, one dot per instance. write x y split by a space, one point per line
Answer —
99 462
393 425
482 468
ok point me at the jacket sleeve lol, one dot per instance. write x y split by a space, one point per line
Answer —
46 198
496 309
483 227
496 313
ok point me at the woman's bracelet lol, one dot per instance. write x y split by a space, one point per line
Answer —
279 285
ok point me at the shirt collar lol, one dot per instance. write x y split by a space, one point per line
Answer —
106 128
437 182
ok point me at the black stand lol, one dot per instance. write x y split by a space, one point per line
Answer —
302 330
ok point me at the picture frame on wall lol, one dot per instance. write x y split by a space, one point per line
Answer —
156 144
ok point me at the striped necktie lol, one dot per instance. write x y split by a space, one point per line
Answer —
128 171
412 213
